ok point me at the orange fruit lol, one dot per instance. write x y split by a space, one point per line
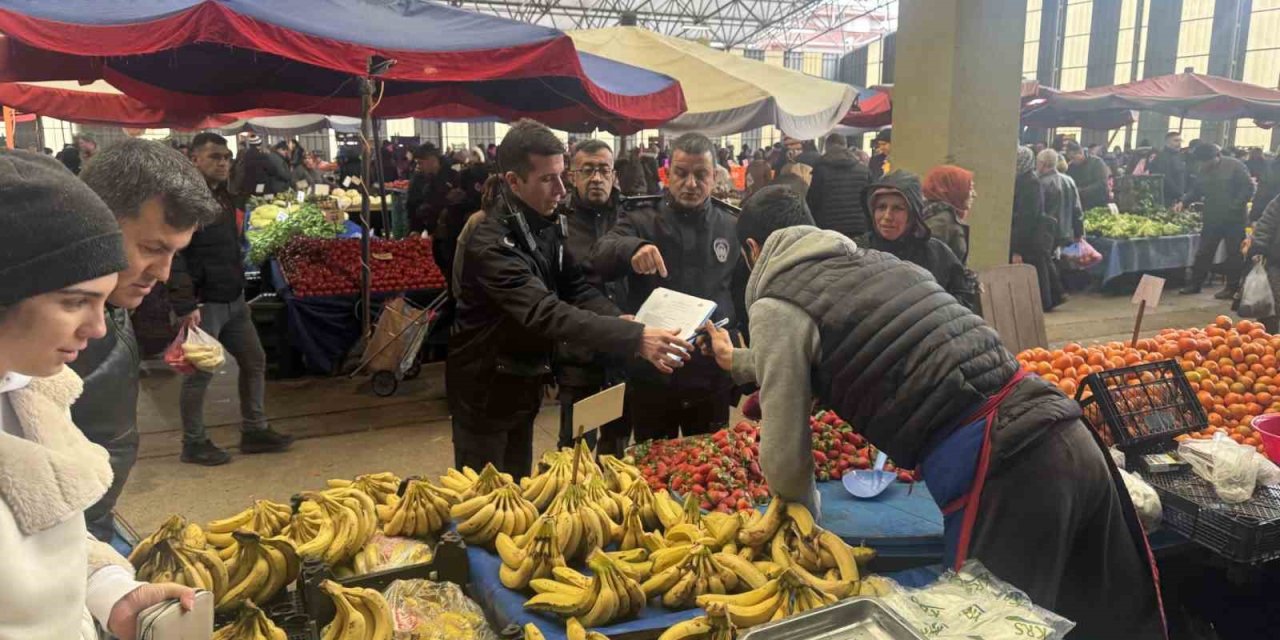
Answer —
1215 419
1050 377
1043 368
1223 322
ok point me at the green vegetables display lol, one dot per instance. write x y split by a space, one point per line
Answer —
1099 221
297 220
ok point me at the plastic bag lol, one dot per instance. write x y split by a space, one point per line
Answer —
426 610
1231 468
175 357
974 603
202 350
384 552
1081 255
1256 300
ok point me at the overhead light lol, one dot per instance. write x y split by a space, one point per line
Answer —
696 27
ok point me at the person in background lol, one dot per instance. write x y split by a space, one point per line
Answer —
58 266
159 199
630 175
1061 199
280 174
1266 246
70 158
882 145
428 190
594 206
519 294
1170 164
724 158
206 288
298 165
258 173
1257 164
930 383
744 155
649 162
1268 189
894 207
1032 236
1090 174
949 194
1225 188
759 173
835 190
683 241
795 176
88 146
809 154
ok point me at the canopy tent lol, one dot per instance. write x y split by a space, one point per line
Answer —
290 125
1185 95
726 93
302 56
874 107
100 103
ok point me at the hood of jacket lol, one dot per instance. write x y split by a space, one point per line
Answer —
792 246
908 185
53 472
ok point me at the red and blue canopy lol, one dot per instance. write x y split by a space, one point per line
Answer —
302 56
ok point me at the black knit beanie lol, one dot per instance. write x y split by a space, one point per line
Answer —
54 231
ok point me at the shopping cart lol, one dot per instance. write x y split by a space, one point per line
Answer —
392 354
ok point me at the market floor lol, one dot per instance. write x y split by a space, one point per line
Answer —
345 430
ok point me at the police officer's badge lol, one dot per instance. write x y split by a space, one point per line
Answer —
721 247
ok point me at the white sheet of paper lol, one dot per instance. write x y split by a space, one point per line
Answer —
595 411
321 189
667 309
346 182
1149 289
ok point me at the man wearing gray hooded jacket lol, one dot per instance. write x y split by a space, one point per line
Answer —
1023 484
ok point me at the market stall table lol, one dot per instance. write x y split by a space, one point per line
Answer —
1138 255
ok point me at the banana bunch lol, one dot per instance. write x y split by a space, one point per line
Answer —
482 517
642 496
171 529
608 595
467 484
423 510
250 624
786 595
543 487
261 568
172 561
670 513
635 563
632 530
716 625
614 504
695 572
535 559
573 630
379 486
264 518
362 614
332 525
795 542
205 357
620 474
723 527
581 525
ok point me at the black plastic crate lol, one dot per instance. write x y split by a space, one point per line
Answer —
1246 532
1140 407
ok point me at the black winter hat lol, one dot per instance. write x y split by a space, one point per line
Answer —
57 232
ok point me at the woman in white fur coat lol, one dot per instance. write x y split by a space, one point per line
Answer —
59 254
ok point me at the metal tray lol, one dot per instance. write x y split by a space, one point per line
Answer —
852 619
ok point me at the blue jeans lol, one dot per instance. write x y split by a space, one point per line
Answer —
232 324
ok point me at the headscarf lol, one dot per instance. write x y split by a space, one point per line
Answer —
950 184
1026 160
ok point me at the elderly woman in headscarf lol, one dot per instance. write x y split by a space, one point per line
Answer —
1032 240
948 195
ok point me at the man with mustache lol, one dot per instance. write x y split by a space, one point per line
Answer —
682 240
159 199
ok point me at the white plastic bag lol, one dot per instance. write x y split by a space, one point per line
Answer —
202 350
1256 300
1231 468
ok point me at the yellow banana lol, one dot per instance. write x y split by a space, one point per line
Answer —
744 616
546 585
749 598
561 604
842 553
761 531
376 611
532 632
691 629
573 630
348 623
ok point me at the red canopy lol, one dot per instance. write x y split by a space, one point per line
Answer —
1185 95
102 104
874 106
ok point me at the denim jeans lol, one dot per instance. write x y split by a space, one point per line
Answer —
232 324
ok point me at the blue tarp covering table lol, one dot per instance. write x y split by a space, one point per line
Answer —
1139 255
902 523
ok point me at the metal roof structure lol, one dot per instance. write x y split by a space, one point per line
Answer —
834 26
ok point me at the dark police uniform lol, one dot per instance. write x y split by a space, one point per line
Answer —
581 372
699 248
518 294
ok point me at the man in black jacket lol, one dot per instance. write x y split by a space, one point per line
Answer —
593 211
158 199
1090 174
835 192
681 240
519 293
1169 163
207 290
1225 187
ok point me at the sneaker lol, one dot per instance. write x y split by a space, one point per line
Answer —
204 453
1225 294
264 441
1190 290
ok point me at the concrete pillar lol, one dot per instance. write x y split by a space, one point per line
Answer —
1104 36
888 57
955 100
1160 58
1226 53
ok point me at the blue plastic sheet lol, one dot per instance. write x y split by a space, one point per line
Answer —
1139 255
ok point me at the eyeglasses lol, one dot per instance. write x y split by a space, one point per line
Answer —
587 172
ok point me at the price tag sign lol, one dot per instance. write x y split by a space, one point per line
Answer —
354 180
259 188
346 182
302 196
321 189
1149 290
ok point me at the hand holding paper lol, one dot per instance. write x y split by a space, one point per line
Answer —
664 349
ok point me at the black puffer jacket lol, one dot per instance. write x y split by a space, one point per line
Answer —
577 365
918 245
211 268
835 193
903 361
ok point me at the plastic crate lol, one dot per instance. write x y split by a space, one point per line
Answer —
1246 532
1141 407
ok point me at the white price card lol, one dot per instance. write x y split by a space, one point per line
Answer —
302 196
259 188
321 189
346 182
595 411
1149 290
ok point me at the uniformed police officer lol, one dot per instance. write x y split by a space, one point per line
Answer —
682 239
592 212
518 294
